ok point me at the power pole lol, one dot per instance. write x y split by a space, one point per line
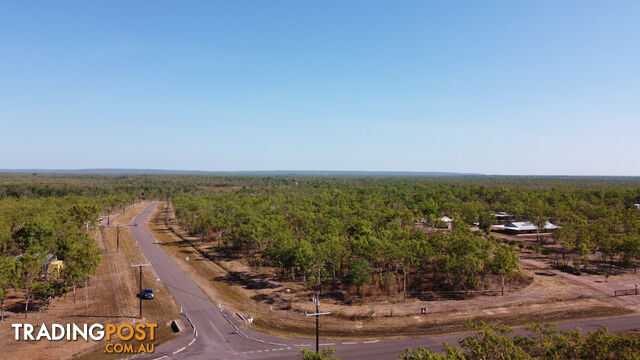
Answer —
118 234
140 294
316 301
108 213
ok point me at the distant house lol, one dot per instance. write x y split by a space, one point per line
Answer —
50 266
637 206
445 219
524 227
55 267
503 217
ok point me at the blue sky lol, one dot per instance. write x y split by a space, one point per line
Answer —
494 87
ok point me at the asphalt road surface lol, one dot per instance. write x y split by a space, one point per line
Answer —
218 334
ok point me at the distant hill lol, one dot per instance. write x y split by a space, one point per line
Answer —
289 173
245 173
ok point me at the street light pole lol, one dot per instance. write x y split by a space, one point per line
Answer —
316 301
140 294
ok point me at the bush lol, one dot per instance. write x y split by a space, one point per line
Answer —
324 354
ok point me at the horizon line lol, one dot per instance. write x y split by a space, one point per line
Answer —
395 173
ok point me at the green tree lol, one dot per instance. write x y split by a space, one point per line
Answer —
9 278
334 253
326 353
85 213
425 354
504 262
359 272
81 260
486 221
32 263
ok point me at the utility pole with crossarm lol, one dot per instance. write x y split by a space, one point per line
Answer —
140 294
316 301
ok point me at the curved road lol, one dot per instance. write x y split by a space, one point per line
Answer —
218 335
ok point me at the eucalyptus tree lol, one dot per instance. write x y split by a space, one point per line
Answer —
359 273
32 264
81 261
9 278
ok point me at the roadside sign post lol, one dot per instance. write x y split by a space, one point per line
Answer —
140 266
316 301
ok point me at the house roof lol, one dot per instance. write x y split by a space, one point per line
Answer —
528 225
501 214
445 219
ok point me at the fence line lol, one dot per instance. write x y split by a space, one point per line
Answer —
624 292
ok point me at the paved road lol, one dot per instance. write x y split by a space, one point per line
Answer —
218 335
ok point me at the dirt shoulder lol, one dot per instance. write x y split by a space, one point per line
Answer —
112 298
278 307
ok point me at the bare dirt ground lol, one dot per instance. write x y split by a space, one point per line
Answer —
591 283
112 298
278 307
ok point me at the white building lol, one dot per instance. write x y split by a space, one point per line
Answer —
524 227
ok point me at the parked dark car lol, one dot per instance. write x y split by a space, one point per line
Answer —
147 293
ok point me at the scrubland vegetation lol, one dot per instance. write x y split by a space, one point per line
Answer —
350 231
344 235
340 232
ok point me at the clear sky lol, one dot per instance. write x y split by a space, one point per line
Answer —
507 87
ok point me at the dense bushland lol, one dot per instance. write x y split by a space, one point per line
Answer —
345 232
331 230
